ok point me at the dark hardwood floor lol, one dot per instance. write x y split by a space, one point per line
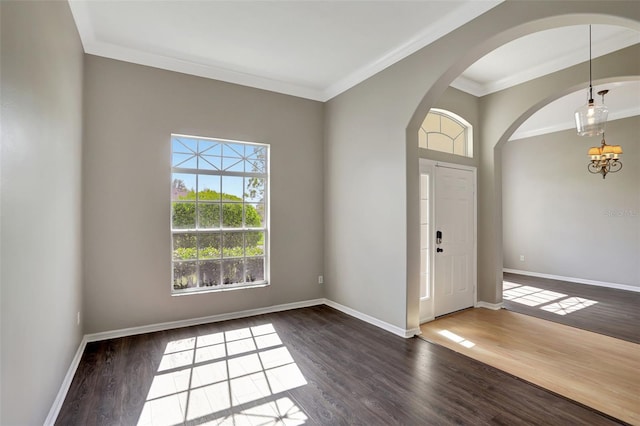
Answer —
616 313
313 366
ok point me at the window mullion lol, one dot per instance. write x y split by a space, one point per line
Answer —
238 268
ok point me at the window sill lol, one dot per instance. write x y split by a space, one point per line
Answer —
219 289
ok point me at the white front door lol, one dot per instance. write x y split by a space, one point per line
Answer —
454 239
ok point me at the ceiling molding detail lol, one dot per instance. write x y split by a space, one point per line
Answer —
600 48
466 12
566 125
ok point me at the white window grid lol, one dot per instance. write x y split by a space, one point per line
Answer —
464 133
221 230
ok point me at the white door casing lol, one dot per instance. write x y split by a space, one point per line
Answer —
454 267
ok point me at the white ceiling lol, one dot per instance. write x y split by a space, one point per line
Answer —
312 49
318 49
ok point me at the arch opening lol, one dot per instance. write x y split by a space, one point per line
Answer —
489 154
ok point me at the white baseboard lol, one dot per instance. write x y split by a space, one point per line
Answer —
131 331
486 305
373 321
574 280
66 384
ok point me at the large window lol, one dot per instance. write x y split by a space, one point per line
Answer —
219 206
446 132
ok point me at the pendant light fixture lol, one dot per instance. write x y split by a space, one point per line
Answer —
591 118
604 158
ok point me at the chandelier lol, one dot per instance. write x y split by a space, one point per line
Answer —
605 159
591 118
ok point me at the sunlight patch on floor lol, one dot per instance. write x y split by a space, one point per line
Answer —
506 285
531 296
455 338
569 305
233 377
551 301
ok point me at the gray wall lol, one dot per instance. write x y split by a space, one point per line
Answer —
371 156
41 208
504 111
131 111
566 221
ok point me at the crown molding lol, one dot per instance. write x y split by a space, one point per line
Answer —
601 48
469 86
566 125
463 14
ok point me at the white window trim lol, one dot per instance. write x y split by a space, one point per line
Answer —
265 229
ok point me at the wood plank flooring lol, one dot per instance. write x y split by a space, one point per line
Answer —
596 370
314 366
616 313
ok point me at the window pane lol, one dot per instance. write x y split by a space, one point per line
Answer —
183 215
254 215
424 212
233 271
184 145
209 162
209 246
208 188
459 145
208 215
440 142
431 122
424 236
184 275
233 150
187 161
218 197
232 215
256 159
254 243
210 273
209 147
253 152
184 246
232 164
232 244
256 166
210 155
232 188
254 190
450 127
233 157
255 269
444 131
183 186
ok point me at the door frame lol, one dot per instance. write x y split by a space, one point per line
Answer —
429 166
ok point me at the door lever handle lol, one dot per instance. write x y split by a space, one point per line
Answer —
439 250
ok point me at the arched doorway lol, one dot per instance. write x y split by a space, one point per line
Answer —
502 115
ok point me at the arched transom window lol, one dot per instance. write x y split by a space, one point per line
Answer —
446 132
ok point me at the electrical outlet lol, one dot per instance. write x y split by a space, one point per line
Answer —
522 258
320 279
78 318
